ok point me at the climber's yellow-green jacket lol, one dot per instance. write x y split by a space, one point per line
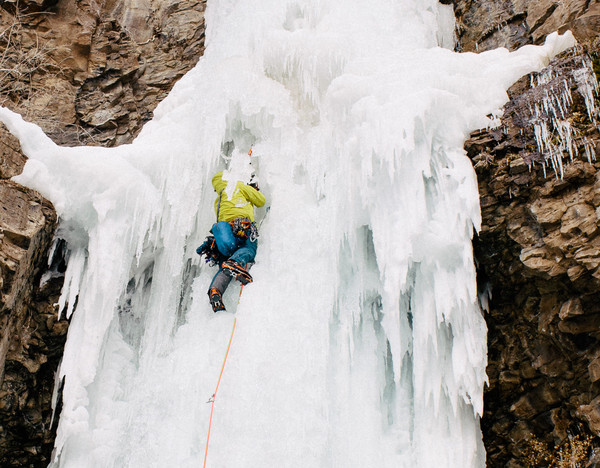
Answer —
242 202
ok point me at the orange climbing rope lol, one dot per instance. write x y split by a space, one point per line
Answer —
214 397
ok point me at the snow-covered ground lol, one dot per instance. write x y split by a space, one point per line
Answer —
360 342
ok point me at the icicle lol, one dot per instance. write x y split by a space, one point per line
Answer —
587 86
73 278
590 150
548 117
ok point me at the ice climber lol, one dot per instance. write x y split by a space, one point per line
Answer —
232 244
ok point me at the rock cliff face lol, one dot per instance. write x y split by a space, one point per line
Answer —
32 334
488 24
87 72
91 72
539 247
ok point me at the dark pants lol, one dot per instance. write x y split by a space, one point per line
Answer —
242 251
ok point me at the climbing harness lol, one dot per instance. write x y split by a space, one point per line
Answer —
244 228
214 395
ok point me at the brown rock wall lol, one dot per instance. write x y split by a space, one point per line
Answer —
92 72
539 246
485 25
31 333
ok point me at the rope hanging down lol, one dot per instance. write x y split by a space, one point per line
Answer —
214 396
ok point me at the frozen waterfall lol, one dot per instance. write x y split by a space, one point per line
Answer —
360 342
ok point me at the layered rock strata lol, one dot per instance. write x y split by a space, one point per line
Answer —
31 333
539 247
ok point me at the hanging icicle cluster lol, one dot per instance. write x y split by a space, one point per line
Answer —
550 102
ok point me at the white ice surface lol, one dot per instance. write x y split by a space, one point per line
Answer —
360 342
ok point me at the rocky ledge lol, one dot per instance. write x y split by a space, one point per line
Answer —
488 24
